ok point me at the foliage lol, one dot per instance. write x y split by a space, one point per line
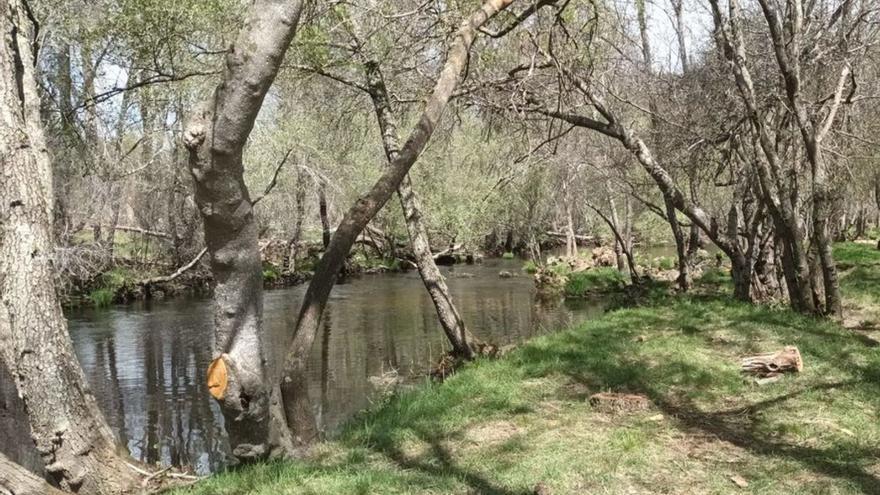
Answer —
599 279
508 256
271 273
715 276
530 267
101 298
665 263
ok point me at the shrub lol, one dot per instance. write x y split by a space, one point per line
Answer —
101 298
508 255
665 263
580 284
530 267
715 276
270 273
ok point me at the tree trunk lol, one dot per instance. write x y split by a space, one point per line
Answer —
360 214
62 167
683 279
243 374
291 251
322 211
463 343
679 33
70 433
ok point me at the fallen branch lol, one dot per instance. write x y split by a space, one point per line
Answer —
774 363
450 250
162 472
180 271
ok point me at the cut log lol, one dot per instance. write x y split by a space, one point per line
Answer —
774 363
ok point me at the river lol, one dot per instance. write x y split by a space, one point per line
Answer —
146 362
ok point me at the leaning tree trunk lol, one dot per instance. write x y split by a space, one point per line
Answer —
240 376
70 432
365 208
463 343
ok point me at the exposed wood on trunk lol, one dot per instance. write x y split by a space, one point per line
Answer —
70 433
216 137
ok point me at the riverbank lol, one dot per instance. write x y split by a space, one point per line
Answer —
525 424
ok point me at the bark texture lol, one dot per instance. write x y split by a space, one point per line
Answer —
73 439
215 137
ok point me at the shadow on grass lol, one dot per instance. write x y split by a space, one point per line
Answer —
607 358
681 368
445 465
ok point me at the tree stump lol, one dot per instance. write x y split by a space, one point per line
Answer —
774 363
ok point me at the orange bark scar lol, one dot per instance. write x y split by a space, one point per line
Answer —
217 378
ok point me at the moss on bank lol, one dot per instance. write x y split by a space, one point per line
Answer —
504 426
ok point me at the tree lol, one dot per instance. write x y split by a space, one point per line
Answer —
240 377
74 440
366 207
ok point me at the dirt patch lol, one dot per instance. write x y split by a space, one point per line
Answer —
708 448
491 433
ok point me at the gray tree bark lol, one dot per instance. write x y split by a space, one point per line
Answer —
464 344
71 435
241 375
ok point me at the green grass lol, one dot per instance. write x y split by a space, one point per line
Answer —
508 255
581 284
502 426
107 286
859 271
530 267
101 298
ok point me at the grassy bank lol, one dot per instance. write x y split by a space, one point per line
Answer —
504 426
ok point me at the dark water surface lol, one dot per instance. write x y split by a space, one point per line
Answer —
146 362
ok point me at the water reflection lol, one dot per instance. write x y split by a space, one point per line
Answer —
146 362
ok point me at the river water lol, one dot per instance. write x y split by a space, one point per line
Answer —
146 362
